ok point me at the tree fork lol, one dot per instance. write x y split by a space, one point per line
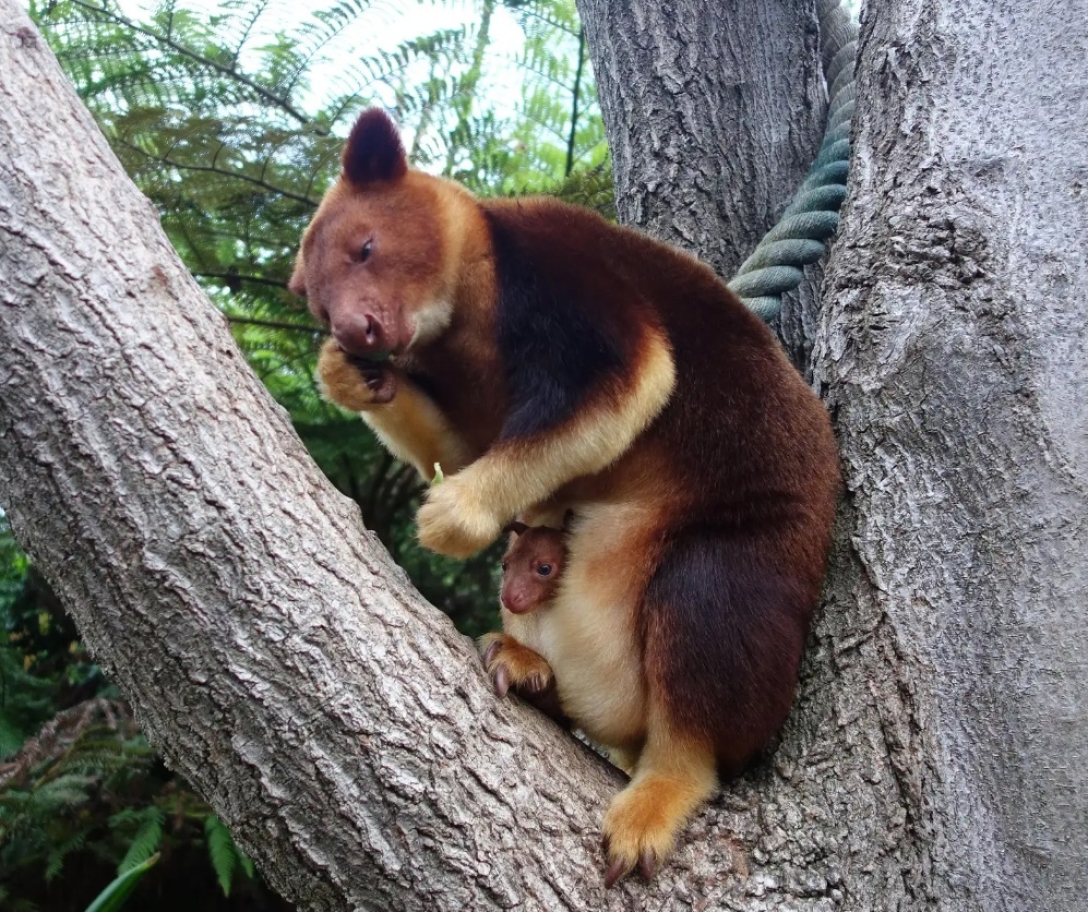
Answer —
272 652
340 726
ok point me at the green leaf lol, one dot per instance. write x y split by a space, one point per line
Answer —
145 842
222 851
58 854
11 737
113 897
245 863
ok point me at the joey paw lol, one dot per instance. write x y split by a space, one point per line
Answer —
512 665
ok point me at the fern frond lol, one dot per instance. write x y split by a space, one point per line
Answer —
62 851
222 851
146 840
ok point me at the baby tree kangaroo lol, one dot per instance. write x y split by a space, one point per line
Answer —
531 566
544 355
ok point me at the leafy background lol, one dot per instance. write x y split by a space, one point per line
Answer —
230 118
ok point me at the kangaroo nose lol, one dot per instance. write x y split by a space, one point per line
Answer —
359 334
511 602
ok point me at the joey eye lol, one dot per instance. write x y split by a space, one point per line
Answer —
544 570
365 251
504 565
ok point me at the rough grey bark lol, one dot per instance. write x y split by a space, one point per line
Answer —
936 758
955 358
713 112
343 729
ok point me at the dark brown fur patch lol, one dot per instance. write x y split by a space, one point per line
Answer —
374 151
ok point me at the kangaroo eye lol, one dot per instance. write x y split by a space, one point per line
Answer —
365 251
544 570
504 566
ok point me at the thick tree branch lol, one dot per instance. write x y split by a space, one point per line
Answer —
954 356
713 112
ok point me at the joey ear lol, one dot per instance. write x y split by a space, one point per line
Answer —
516 527
374 151
297 283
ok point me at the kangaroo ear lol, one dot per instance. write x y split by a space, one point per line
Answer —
374 151
516 527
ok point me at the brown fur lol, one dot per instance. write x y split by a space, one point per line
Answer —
525 668
531 567
568 362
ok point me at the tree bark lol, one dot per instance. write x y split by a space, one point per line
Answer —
713 111
343 729
936 755
954 355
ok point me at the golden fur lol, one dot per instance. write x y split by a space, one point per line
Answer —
467 512
413 429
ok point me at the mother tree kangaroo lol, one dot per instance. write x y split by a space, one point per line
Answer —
552 361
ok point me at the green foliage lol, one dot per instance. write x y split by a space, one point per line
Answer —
224 853
148 836
58 792
24 701
89 785
115 895
81 792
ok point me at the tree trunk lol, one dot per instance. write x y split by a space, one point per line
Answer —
936 755
342 728
955 359
713 112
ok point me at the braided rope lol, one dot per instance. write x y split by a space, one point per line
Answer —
798 239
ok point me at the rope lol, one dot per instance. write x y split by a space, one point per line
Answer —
798 239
